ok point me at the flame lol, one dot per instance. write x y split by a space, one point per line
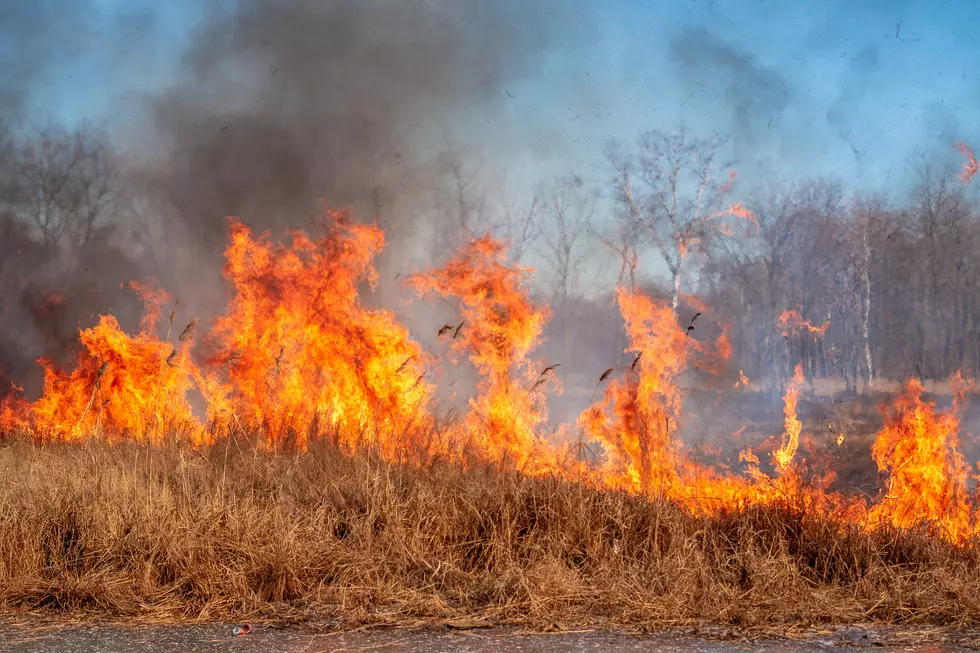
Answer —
738 210
296 357
918 448
743 381
792 322
633 422
302 356
123 386
502 325
971 166
783 456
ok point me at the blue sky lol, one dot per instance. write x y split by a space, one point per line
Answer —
832 87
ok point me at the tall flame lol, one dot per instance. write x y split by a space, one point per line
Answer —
302 356
919 449
783 456
500 326
633 422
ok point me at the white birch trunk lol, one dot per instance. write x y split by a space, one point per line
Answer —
866 307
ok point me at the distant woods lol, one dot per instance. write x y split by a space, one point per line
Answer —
894 282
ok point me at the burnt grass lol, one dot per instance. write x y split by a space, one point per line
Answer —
172 534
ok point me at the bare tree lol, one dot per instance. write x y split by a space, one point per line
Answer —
869 229
518 222
670 194
569 210
62 184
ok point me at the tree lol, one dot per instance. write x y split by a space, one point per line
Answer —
870 226
670 195
62 184
568 209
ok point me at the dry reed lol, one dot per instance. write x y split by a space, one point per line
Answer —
230 532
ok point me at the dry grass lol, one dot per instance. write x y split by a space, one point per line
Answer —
126 532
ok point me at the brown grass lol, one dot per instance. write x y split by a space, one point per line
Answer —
127 532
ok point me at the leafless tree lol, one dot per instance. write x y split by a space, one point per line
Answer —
517 221
869 230
62 184
670 194
569 210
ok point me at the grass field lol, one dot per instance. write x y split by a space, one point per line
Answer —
230 532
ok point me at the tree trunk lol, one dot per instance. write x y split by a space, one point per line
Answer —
866 310
676 296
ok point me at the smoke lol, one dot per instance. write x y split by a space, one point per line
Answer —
716 74
281 104
273 106
858 83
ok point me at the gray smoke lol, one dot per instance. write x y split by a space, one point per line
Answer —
719 75
275 106
283 103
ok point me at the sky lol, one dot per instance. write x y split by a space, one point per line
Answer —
847 88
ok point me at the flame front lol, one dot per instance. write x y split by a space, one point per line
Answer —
297 357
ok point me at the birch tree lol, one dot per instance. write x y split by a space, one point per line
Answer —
674 192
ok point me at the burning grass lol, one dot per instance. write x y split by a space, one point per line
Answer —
234 531
321 480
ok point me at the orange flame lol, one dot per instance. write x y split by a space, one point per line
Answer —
919 448
971 166
303 357
783 456
792 322
743 381
123 386
500 326
633 423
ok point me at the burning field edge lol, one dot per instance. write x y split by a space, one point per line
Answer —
231 531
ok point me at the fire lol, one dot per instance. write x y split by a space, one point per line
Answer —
971 166
296 357
783 456
792 322
743 381
738 210
122 387
633 423
302 356
500 326
919 450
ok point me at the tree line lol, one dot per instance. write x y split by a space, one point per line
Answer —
857 288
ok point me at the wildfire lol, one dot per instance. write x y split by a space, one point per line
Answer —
302 356
633 422
296 357
502 326
122 387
